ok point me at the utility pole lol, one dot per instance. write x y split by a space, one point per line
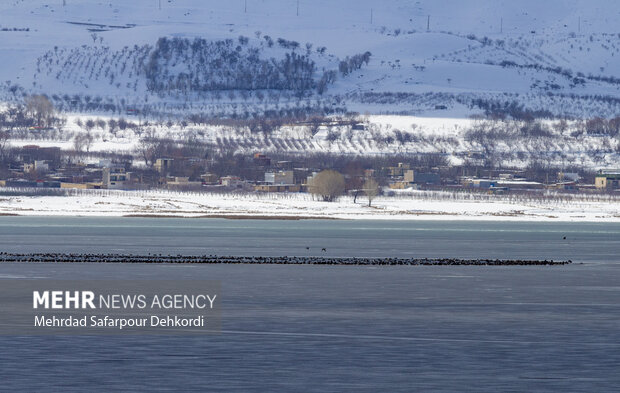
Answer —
371 16
501 25
428 23
579 25
160 5
297 7
245 6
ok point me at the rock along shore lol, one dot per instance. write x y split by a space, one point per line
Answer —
274 260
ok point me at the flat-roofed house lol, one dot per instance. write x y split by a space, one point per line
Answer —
607 179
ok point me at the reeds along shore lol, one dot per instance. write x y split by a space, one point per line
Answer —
275 260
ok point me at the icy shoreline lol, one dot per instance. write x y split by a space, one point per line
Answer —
423 205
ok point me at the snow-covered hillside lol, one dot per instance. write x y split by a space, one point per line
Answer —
559 56
461 141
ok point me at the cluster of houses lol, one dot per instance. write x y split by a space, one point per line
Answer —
42 167
403 176
605 180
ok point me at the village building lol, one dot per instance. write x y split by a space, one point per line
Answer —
280 181
233 182
183 182
277 187
568 176
607 179
397 171
163 165
280 177
115 178
209 178
261 159
411 176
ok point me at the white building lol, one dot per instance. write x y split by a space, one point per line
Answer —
115 178
281 177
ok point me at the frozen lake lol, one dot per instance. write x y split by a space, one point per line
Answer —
585 242
341 328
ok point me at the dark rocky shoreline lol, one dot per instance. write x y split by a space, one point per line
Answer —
275 260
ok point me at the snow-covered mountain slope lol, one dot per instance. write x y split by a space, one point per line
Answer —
561 56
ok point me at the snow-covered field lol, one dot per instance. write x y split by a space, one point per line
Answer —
404 206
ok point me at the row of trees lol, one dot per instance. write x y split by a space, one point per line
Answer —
600 126
350 64
112 125
180 64
36 111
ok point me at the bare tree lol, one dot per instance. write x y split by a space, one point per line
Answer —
147 148
328 185
79 143
371 188
113 126
89 125
89 138
39 107
83 140
5 146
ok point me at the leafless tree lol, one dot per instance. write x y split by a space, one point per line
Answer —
5 146
79 143
83 140
90 124
371 188
147 148
41 109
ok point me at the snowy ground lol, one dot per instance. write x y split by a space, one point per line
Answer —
452 50
438 135
404 206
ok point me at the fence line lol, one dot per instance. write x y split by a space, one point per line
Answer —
549 197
